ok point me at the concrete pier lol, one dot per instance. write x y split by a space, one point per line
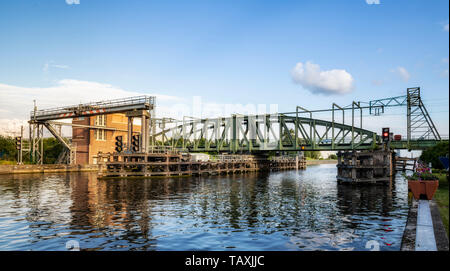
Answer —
178 164
52 168
373 166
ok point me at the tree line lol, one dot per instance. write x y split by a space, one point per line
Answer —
8 151
431 155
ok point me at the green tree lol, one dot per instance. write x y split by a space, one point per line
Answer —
52 150
332 156
8 151
312 154
7 148
431 155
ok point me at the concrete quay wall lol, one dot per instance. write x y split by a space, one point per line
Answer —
19 169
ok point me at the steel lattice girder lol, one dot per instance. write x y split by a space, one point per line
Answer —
265 133
419 122
414 144
93 109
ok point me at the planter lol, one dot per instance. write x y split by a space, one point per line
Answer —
426 188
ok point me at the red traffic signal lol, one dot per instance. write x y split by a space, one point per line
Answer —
385 134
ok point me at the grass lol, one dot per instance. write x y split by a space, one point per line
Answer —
441 197
6 162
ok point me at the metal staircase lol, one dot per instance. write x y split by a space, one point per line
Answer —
67 156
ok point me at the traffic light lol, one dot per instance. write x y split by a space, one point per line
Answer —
385 135
119 144
18 142
135 143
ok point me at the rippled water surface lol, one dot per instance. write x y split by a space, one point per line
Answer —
290 210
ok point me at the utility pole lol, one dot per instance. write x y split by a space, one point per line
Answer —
21 146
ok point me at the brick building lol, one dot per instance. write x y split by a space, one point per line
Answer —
89 142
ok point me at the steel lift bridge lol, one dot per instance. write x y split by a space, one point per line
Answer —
134 107
291 131
299 130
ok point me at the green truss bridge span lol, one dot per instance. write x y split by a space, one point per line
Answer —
299 130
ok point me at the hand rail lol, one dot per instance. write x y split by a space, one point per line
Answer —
143 99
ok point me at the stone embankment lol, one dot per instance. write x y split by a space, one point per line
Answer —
16 169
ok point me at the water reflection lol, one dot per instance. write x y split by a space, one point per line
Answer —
293 210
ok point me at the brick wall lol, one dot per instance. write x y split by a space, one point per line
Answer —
90 143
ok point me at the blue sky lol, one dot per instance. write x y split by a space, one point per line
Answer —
227 51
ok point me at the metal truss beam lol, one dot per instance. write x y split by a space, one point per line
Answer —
86 126
293 131
277 132
93 109
420 126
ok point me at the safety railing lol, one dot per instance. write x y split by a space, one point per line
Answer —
144 99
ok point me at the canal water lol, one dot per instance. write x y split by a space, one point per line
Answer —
288 210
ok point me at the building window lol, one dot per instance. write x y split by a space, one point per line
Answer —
100 134
100 120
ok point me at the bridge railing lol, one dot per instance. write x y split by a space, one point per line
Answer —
418 138
144 99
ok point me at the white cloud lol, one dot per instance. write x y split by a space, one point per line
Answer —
60 66
51 64
373 2
16 102
446 27
72 2
310 77
11 127
402 73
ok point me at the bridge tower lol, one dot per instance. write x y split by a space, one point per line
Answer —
420 125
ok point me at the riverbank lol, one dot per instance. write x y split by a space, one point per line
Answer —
51 168
320 162
439 215
413 227
441 198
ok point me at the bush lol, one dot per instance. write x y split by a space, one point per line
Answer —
8 152
52 149
439 171
7 148
431 155
332 156
312 154
422 176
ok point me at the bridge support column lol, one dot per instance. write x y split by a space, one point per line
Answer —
145 131
365 166
130 133
36 142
